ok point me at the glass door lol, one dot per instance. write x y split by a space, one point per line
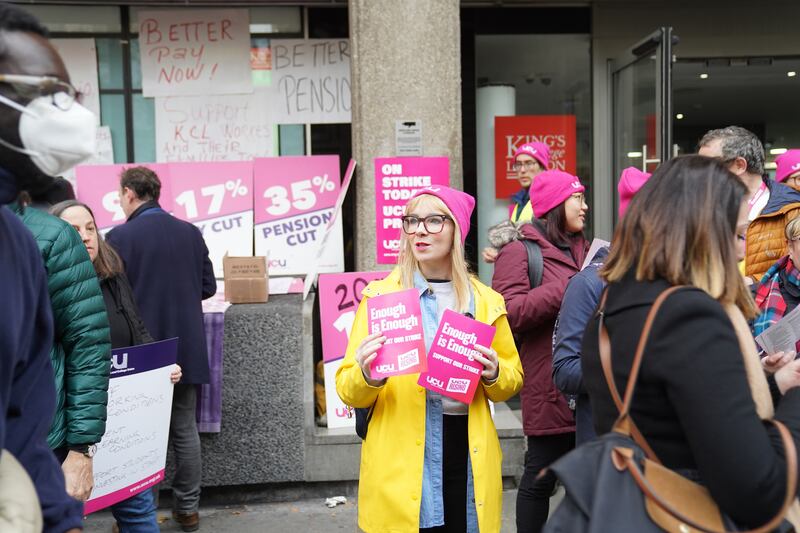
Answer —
641 94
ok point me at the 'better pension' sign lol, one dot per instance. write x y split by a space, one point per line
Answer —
195 52
311 81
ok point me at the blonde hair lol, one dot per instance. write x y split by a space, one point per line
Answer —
680 227
792 230
459 271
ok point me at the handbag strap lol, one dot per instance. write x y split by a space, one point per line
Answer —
624 423
623 459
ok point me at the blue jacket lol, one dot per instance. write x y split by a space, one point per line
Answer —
27 389
166 261
580 301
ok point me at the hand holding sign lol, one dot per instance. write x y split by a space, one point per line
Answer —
366 353
491 368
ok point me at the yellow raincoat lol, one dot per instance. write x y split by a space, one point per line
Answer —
392 455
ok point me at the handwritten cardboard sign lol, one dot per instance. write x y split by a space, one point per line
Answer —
213 128
195 52
311 81
131 456
396 180
339 296
452 368
398 317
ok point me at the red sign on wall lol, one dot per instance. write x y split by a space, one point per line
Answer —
557 131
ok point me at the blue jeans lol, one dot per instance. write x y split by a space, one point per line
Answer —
137 514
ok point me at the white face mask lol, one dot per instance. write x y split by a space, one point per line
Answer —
56 140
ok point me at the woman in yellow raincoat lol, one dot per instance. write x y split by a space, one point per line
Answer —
430 463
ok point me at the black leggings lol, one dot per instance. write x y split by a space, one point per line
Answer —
533 496
455 449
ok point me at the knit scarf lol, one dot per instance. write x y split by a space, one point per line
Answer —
768 293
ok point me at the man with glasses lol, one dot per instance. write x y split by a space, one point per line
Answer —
32 123
770 204
530 160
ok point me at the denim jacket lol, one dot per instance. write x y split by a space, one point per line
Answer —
431 513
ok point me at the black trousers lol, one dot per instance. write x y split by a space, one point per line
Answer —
533 496
455 449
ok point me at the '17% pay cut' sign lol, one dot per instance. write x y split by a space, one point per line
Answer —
294 199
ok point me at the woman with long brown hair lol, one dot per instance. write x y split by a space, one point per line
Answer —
693 404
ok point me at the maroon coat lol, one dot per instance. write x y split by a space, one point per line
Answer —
532 314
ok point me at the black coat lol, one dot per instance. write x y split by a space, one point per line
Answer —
166 261
692 401
123 312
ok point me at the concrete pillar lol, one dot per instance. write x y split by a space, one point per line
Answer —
406 64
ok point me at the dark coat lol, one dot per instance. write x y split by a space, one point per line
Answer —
125 304
692 401
532 315
81 352
166 261
27 389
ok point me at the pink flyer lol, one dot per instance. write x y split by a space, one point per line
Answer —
398 317
452 368
396 180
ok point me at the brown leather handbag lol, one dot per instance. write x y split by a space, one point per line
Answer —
616 482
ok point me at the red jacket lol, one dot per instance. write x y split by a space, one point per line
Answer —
532 314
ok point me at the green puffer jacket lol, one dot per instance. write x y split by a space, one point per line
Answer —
81 352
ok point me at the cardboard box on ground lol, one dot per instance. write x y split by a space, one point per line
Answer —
245 279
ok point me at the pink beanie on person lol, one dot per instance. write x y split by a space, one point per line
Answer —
459 203
630 182
538 151
552 188
788 163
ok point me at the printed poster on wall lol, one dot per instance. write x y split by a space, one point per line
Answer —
339 296
131 456
294 199
557 131
218 199
80 58
195 52
396 180
213 128
98 187
311 81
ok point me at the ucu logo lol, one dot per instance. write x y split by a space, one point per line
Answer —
277 263
576 184
385 368
432 189
119 364
796 166
436 382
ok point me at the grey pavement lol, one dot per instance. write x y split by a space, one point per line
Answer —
293 517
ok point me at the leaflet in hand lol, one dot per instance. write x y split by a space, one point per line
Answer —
452 368
783 335
594 249
398 317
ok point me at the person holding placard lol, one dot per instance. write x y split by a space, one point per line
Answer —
429 462
530 160
559 209
137 513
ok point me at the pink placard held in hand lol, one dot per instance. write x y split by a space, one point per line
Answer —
452 368
398 317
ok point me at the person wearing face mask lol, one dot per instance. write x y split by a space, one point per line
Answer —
27 388
430 463
44 132
530 160
559 209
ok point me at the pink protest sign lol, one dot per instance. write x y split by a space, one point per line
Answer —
452 368
217 198
294 198
398 317
98 187
396 180
339 296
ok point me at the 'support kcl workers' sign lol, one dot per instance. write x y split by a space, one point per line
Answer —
557 131
396 180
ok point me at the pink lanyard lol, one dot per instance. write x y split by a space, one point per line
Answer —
752 201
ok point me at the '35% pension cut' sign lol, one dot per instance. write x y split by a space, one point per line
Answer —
294 199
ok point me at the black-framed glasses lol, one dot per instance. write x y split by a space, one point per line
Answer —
431 223
62 94
527 165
